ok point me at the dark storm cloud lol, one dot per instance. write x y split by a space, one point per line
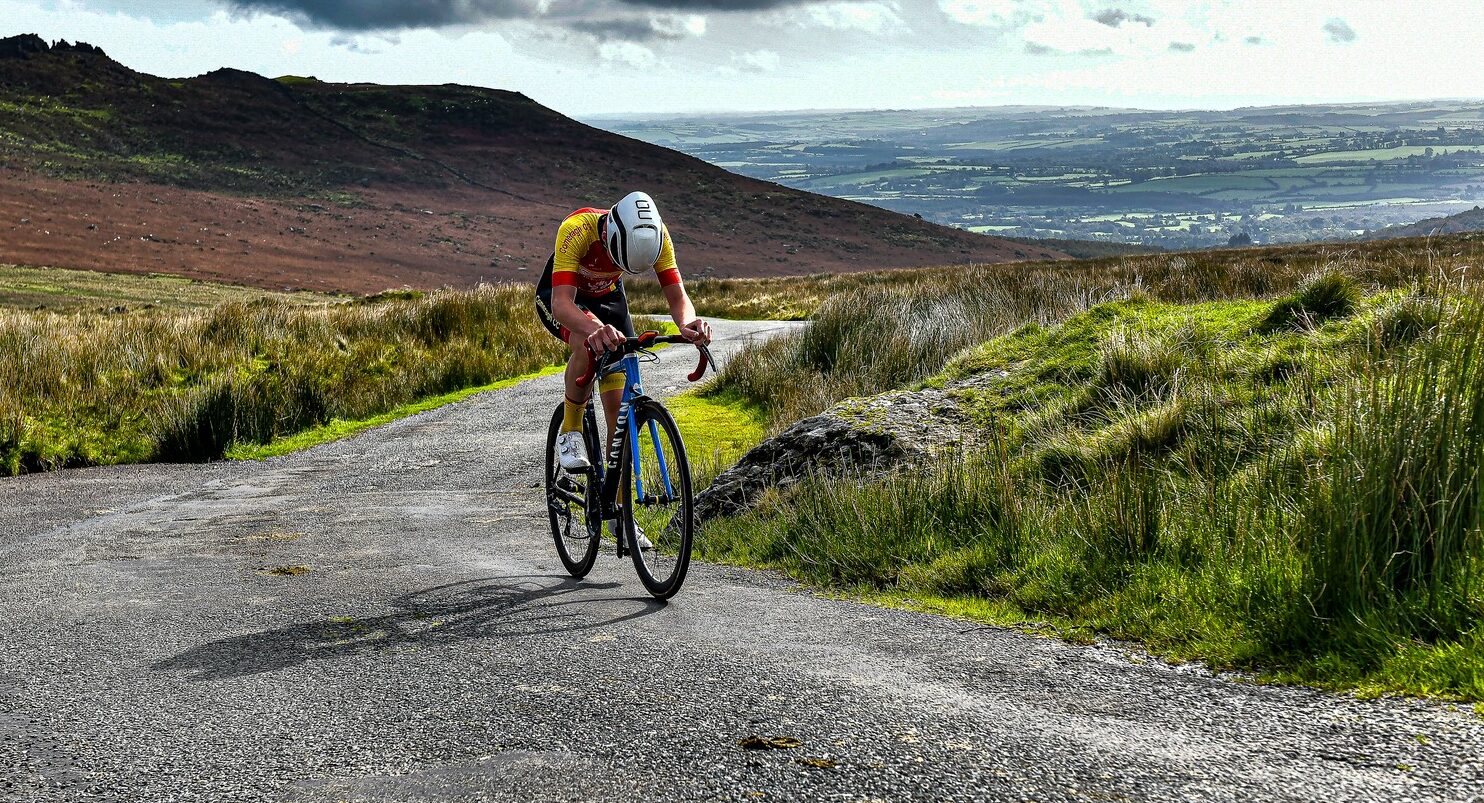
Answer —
630 29
1339 31
1114 17
371 15
381 15
717 5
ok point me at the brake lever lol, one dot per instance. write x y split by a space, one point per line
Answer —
706 359
595 364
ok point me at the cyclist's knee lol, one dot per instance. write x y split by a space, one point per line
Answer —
578 344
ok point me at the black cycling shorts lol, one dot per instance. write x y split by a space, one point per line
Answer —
611 308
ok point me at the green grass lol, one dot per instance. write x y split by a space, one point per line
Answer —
877 331
338 429
66 290
181 384
1292 485
718 430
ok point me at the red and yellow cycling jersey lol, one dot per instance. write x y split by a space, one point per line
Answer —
582 262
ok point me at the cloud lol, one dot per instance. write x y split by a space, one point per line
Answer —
989 13
872 17
1181 47
718 5
1114 17
383 15
758 61
1339 30
641 29
371 15
1253 40
630 53
1037 50
363 45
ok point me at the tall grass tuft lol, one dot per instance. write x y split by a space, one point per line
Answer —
1398 501
1331 294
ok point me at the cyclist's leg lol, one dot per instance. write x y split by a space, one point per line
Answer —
612 308
578 359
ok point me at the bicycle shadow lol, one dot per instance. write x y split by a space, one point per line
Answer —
499 607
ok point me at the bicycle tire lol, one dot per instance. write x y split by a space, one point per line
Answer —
668 524
578 549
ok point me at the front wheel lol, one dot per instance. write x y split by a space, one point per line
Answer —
657 499
571 498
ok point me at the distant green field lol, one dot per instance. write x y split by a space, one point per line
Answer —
1236 157
1377 155
70 290
1201 183
1019 144
856 179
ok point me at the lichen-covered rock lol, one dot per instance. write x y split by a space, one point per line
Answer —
860 437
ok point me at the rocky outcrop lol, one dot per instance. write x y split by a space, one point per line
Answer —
23 46
858 437
27 45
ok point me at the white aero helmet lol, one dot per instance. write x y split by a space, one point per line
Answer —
635 233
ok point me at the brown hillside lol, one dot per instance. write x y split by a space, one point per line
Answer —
298 183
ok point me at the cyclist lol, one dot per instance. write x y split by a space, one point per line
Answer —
581 301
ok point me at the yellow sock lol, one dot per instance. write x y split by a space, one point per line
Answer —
571 416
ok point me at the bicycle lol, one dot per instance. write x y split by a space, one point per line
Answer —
641 481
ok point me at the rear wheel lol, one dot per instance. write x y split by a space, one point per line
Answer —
657 500
571 498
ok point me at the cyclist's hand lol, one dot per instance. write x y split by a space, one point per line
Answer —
697 331
606 338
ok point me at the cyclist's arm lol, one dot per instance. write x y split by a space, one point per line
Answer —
681 309
568 314
683 312
599 336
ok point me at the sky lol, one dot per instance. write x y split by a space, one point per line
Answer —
588 58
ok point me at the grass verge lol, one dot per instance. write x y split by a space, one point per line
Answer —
1290 486
89 388
718 429
63 290
338 429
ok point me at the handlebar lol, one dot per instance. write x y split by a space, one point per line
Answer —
643 341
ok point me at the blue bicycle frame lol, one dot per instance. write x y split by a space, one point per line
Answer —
633 391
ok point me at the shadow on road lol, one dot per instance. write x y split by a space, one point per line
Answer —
498 607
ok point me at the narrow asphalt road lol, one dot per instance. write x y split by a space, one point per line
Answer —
434 650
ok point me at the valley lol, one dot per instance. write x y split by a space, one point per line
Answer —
1186 179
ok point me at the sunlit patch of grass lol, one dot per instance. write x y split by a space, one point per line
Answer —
717 430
